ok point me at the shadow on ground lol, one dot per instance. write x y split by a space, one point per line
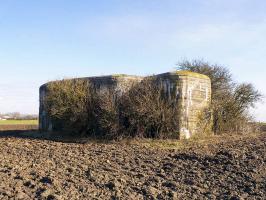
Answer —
19 133
35 134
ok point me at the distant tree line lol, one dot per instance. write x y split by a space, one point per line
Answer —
18 116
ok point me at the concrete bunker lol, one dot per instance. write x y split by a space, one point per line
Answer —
192 90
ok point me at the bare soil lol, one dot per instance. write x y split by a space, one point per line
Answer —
14 127
219 168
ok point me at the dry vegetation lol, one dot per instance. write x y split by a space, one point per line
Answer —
76 107
11 125
18 122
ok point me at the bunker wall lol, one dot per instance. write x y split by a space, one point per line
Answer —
192 91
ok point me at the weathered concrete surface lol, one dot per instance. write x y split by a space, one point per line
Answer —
192 91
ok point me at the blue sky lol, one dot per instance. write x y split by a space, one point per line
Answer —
54 39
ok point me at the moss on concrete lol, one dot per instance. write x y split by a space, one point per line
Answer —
119 75
125 76
189 73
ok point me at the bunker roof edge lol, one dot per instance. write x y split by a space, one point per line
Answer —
176 72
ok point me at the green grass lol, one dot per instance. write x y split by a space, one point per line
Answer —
18 122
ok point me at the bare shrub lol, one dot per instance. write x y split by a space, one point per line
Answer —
204 124
230 101
149 112
107 114
146 110
68 104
